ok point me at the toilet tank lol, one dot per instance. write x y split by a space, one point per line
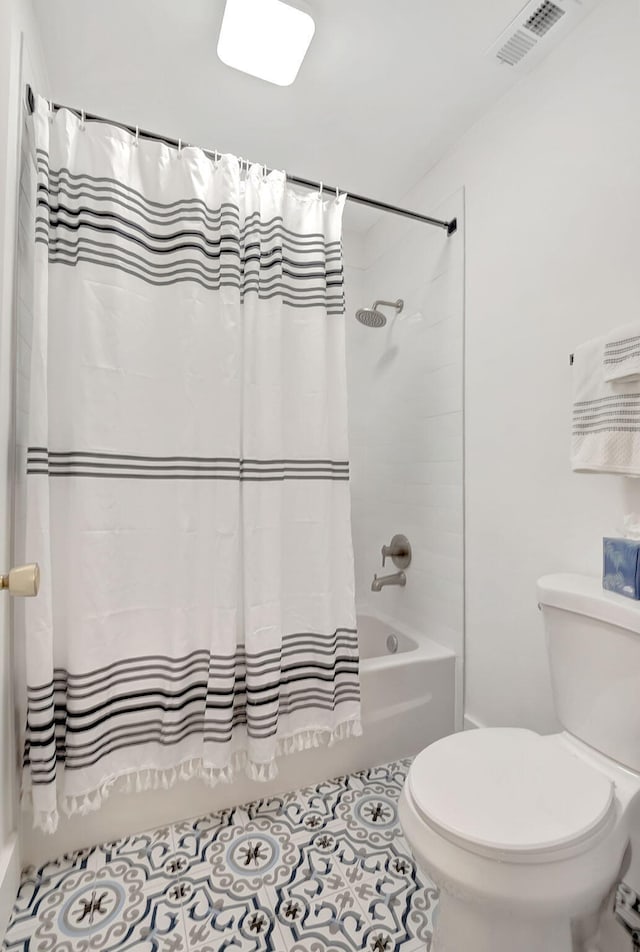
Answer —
593 643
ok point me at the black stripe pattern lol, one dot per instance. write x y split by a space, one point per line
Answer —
66 463
79 719
98 220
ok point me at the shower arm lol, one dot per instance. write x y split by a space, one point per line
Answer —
398 305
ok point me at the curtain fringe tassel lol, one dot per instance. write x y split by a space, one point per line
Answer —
196 768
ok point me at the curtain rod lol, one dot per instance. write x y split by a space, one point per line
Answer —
450 226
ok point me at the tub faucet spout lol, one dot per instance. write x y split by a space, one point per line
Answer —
397 578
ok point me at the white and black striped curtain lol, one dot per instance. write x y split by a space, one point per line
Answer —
187 476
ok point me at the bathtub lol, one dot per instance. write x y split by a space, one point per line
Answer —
408 690
407 685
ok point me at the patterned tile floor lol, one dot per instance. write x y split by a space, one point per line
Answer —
323 868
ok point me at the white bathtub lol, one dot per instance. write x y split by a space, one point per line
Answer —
407 702
407 697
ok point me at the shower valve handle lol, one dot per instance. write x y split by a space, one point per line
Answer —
399 551
389 551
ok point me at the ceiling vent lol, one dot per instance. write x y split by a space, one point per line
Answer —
516 47
537 27
544 18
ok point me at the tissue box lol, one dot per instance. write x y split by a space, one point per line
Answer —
621 567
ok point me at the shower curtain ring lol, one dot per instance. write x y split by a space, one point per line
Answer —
179 148
82 120
50 103
137 138
320 192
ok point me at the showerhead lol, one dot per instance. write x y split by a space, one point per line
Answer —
372 317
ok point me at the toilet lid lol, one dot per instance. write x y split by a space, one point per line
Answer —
509 790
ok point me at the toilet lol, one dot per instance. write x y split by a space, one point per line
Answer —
525 835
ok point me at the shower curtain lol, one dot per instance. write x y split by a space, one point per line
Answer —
187 476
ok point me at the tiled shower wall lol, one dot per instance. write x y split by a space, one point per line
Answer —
406 424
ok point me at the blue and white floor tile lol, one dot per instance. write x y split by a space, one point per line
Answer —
323 869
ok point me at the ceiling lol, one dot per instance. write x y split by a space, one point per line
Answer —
386 88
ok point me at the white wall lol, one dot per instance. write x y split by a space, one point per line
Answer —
20 61
552 185
405 416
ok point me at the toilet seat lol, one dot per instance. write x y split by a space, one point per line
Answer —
511 794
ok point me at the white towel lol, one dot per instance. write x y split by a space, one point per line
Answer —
622 353
606 416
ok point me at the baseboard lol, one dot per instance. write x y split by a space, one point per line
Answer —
471 723
9 880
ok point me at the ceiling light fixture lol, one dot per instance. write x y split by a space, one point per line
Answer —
265 38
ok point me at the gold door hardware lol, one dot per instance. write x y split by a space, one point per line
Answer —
24 580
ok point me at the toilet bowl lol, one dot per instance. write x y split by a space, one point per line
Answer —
525 834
